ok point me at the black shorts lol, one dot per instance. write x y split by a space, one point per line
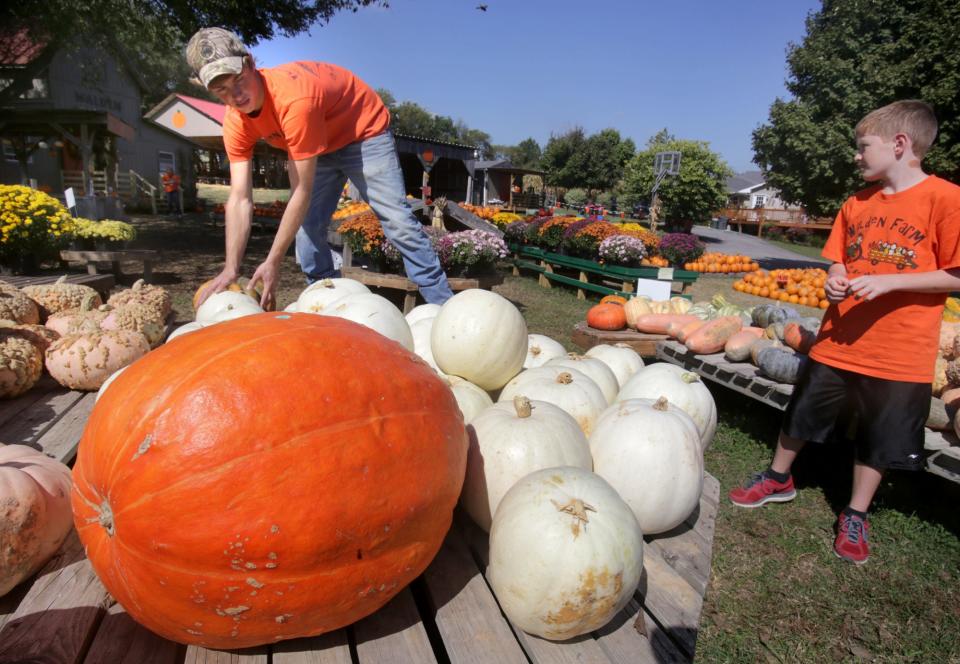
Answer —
890 414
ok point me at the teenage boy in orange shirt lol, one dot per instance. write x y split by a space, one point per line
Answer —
333 126
895 249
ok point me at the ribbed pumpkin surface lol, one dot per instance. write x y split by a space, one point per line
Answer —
275 476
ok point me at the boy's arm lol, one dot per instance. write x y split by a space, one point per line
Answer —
869 287
238 214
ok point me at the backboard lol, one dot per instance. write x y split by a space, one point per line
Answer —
667 163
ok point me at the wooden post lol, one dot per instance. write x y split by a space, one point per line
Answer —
655 212
581 294
86 152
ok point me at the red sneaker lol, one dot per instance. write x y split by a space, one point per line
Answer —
851 543
761 489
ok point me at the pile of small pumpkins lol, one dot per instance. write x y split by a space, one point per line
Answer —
273 210
803 287
81 341
350 209
333 453
654 261
717 262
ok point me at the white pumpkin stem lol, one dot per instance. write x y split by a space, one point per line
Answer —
61 280
523 406
327 283
575 356
138 284
661 404
565 378
689 377
87 303
578 510
535 350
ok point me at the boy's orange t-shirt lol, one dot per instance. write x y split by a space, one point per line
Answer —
309 109
895 336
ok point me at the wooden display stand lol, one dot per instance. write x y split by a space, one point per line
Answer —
102 283
645 344
91 258
448 614
410 289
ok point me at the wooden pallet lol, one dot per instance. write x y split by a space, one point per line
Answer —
587 337
448 614
92 259
741 377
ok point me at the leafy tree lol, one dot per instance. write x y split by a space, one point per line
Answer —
694 194
526 154
148 34
575 196
561 161
859 55
604 157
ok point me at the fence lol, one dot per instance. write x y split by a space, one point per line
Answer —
763 217
129 186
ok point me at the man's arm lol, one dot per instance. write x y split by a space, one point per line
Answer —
301 185
872 286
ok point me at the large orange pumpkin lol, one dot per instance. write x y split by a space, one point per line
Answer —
275 476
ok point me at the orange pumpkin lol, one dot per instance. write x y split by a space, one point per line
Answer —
607 317
241 285
613 299
270 477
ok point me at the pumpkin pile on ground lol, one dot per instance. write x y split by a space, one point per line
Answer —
716 262
796 286
364 443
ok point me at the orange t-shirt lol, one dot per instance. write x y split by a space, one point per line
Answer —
309 109
895 336
171 182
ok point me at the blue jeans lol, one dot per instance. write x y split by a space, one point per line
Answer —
374 168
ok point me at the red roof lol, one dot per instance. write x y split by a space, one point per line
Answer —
211 108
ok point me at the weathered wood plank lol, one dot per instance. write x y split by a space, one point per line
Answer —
394 634
121 640
11 408
60 441
33 422
57 618
672 601
198 655
467 615
626 640
581 649
330 648
587 337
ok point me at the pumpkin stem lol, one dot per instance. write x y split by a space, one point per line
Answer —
565 378
535 350
575 356
523 406
661 404
689 377
578 510
87 303
326 283
138 284
106 517
61 280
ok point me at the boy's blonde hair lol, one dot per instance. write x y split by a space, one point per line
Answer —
912 117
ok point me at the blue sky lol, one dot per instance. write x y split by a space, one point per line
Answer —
703 69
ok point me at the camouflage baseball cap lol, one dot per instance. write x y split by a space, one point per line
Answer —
213 52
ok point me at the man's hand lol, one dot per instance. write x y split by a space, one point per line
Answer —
872 286
217 284
267 274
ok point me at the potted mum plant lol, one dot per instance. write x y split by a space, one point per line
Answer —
33 226
470 253
364 235
680 248
622 250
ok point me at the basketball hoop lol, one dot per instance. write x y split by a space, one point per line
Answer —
664 164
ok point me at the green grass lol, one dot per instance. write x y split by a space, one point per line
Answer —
777 593
812 252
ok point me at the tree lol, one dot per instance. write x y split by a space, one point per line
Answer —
694 194
561 161
148 34
525 154
604 157
858 55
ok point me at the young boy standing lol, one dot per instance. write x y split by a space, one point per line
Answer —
895 249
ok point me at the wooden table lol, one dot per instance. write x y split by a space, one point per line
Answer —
102 283
645 344
448 614
410 289
91 258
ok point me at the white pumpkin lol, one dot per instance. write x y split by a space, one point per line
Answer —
376 312
471 399
480 336
186 328
422 312
511 440
292 308
636 307
107 383
541 349
623 360
593 369
649 451
566 388
35 494
420 330
321 294
566 553
227 305
682 388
